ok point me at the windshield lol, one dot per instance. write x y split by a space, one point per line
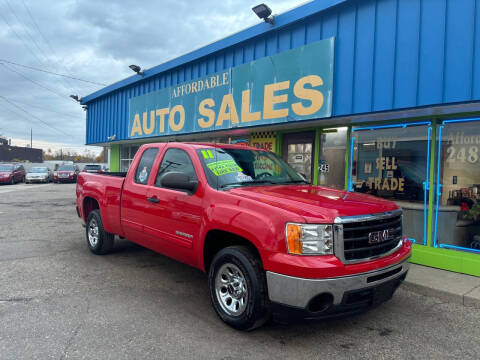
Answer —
243 167
38 170
92 167
65 168
6 167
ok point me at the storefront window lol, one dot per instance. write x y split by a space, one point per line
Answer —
127 153
391 162
457 215
331 164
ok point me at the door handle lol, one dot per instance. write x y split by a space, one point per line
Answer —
153 199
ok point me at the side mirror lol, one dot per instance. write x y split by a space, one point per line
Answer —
178 181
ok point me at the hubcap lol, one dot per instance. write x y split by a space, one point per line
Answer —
231 289
93 233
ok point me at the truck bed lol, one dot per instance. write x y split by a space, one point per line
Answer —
107 187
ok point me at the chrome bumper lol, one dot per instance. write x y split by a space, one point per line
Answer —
298 292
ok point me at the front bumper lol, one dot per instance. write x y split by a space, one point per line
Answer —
65 179
5 180
298 298
37 180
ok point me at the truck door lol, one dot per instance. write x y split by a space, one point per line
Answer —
134 194
173 216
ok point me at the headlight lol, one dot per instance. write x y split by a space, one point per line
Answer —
309 239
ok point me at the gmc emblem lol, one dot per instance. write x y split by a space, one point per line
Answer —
378 236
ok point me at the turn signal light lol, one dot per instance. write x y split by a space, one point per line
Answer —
294 239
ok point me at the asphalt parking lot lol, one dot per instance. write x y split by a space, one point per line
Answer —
57 300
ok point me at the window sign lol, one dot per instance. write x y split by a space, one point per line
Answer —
457 214
392 162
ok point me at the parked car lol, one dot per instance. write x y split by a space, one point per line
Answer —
66 173
11 173
271 243
39 174
94 168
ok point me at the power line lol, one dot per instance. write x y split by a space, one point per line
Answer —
36 83
50 72
33 116
20 38
45 109
37 27
35 24
27 32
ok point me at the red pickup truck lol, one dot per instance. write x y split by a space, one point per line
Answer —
271 243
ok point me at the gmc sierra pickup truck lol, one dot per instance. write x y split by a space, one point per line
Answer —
271 243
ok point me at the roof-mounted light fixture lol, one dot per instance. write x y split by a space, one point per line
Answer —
111 138
75 97
137 69
264 12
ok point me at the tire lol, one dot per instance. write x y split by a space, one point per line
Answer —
99 241
12 182
237 274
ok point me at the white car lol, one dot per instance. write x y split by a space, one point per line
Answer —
39 174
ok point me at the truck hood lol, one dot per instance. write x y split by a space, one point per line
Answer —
314 203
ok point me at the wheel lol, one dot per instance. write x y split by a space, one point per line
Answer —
12 182
99 241
238 288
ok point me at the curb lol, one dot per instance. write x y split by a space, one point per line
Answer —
447 286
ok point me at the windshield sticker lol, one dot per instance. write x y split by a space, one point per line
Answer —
242 177
207 154
143 175
224 167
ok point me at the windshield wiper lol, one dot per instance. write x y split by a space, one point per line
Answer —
296 182
251 182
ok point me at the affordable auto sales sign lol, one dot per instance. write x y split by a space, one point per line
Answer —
291 86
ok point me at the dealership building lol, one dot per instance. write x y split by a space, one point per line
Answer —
374 96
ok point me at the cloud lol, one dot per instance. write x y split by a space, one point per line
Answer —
96 40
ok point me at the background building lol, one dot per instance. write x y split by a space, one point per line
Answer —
10 153
395 113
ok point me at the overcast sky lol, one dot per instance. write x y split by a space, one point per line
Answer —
95 40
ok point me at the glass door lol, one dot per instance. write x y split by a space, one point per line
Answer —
331 164
298 152
457 211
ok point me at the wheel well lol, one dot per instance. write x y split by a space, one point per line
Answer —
89 204
216 240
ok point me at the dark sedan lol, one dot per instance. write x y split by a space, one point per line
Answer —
11 173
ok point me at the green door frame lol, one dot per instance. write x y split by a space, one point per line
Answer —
319 130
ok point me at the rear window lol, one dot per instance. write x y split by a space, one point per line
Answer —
66 168
6 167
93 167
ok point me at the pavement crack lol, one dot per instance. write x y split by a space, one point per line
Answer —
75 332
17 299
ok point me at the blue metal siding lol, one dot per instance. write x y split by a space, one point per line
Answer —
389 54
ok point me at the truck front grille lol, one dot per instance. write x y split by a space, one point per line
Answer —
370 236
